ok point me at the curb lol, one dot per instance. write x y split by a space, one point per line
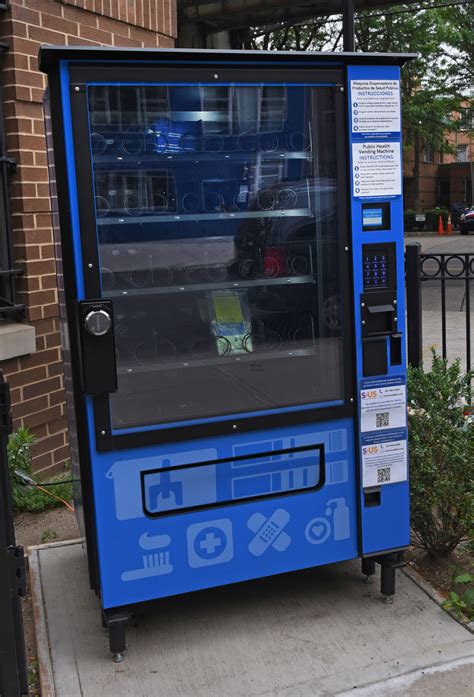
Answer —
45 664
435 595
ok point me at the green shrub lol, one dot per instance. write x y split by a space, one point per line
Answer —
462 602
409 219
441 442
432 217
25 498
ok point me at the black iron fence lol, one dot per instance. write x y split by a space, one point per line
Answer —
13 673
445 271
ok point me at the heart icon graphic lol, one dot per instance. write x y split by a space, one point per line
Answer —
317 531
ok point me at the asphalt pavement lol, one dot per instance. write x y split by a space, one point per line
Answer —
432 243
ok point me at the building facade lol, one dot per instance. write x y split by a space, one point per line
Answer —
30 344
445 178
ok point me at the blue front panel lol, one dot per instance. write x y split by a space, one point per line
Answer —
142 558
377 220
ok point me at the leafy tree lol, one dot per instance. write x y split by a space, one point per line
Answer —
435 85
314 35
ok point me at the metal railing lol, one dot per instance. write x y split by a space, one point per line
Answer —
9 308
13 671
446 270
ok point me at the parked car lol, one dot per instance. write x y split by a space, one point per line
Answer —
466 221
457 209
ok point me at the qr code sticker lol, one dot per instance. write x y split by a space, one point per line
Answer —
383 475
382 419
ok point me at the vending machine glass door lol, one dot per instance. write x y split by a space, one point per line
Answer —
216 213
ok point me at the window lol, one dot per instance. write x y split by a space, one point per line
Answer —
429 154
461 153
467 119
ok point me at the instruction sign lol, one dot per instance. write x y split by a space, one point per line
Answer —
376 169
384 461
375 106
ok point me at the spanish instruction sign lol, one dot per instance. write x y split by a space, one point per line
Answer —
376 169
383 407
375 106
384 462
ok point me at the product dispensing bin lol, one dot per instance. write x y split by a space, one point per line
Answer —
232 265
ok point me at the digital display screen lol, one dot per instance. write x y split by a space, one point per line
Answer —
376 216
372 217
375 270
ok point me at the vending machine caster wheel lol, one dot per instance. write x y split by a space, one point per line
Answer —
387 599
118 657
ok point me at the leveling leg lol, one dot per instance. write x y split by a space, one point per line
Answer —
116 623
389 563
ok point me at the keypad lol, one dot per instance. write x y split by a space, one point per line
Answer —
375 271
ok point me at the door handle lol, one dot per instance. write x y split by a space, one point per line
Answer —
96 324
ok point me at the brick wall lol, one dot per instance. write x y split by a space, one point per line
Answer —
37 381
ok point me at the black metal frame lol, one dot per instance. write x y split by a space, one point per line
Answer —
80 74
50 55
13 668
9 308
416 275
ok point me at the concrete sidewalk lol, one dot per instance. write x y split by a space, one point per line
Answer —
314 633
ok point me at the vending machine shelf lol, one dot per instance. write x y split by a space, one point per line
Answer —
217 361
216 216
200 287
161 159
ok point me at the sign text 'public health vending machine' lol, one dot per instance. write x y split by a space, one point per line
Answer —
231 228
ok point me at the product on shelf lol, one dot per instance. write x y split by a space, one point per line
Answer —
230 315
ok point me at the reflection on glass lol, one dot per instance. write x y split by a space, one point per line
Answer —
219 247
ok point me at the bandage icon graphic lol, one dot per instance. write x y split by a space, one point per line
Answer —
269 532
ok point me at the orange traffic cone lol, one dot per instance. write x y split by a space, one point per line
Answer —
449 226
440 226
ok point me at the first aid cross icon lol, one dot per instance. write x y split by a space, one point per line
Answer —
210 543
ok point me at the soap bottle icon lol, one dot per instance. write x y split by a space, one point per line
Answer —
341 522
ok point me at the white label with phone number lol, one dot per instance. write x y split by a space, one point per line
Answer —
384 463
383 408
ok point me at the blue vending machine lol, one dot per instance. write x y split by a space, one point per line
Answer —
231 264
